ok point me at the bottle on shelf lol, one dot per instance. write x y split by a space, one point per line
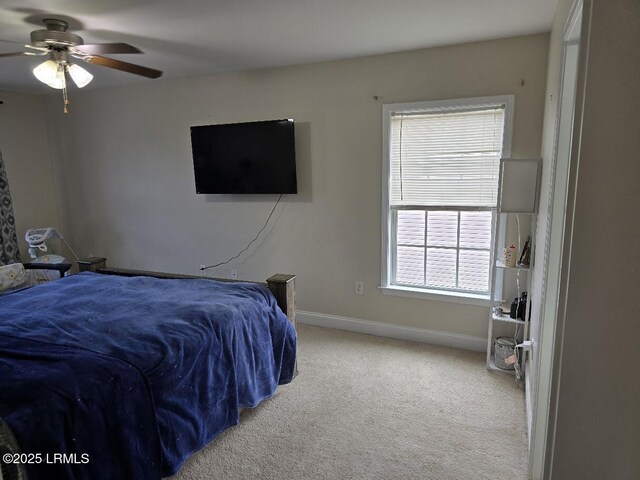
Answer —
510 256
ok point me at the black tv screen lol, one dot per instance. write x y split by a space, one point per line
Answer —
253 157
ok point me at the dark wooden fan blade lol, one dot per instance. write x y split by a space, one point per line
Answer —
106 48
124 66
13 54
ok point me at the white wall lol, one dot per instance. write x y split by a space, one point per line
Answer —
25 151
130 195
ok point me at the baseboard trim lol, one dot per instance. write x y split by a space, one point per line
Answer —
434 337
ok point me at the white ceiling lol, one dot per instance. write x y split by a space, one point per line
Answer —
190 37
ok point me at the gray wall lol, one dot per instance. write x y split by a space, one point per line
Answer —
597 431
25 150
130 194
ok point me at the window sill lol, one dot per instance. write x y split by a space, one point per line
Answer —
443 296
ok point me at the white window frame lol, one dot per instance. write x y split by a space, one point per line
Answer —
387 218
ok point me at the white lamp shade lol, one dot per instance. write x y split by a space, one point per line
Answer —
49 73
46 71
79 75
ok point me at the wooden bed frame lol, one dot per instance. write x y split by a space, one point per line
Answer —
281 285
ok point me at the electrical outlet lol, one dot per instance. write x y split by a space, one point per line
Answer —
359 287
234 273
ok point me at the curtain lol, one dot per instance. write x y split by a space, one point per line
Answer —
9 252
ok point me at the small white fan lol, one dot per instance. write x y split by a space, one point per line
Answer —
37 238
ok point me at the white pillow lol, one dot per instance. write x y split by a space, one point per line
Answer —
12 276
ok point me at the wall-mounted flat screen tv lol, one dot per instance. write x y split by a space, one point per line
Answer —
253 157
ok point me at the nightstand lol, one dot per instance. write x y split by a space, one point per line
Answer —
92 264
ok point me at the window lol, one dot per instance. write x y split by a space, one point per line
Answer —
440 169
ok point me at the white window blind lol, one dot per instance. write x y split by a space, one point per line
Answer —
445 158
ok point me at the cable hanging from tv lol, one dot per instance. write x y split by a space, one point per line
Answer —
250 243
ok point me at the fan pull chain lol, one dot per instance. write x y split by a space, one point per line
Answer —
66 100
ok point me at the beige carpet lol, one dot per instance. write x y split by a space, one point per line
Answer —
373 408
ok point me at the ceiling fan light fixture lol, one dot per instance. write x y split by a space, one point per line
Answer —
79 75
61 46
51 73
60 82
46 72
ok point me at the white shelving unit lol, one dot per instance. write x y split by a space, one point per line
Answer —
518 190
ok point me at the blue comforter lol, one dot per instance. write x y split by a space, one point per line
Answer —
137 372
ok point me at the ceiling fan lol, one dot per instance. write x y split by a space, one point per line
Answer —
61 46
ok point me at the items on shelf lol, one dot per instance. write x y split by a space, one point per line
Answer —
525 256
518 307
510 256
502 309
504 348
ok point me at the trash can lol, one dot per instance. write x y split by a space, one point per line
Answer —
504 347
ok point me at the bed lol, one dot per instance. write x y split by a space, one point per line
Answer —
118 374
